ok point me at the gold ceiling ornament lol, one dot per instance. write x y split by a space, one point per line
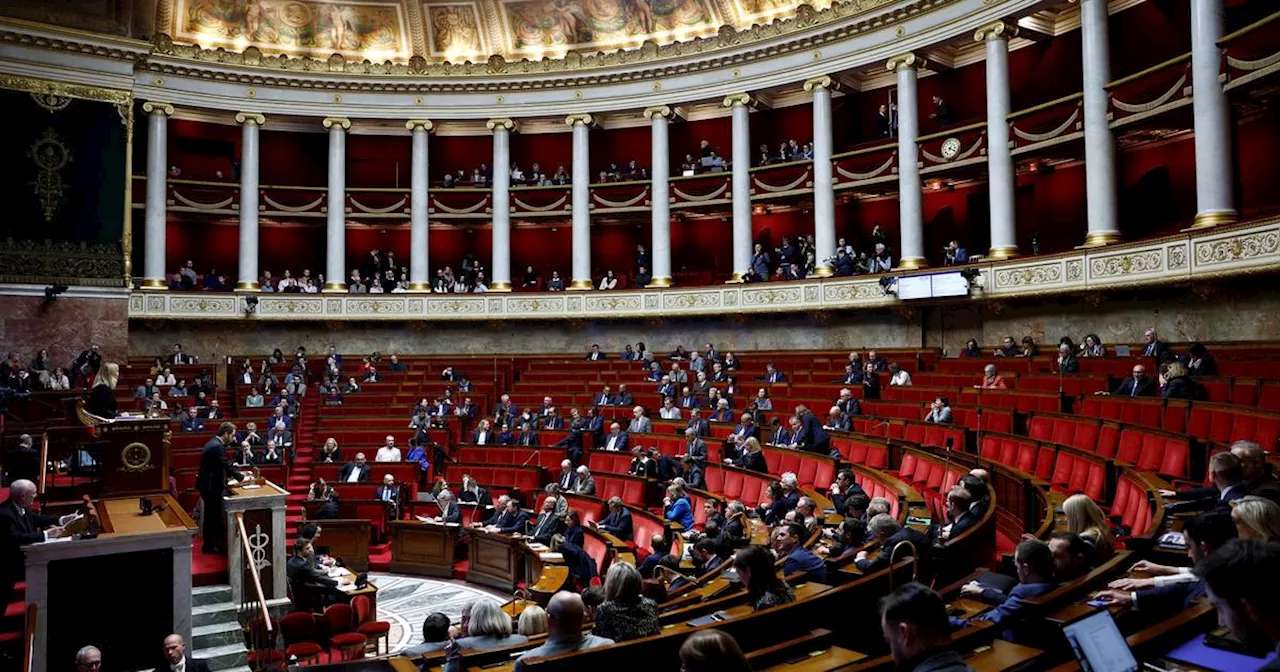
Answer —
50 156
820 82
415 124
657 111
51 102
1000 30
341 122
250 118
904 61
63 89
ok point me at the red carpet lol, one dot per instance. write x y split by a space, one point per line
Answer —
380 557
460 569
207 570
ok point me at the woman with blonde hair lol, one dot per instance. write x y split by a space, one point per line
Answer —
1087 520
626 613
1256 518
533 621
330 452
488 627
102 398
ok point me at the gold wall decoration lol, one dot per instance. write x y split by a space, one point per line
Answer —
47 87
51 102
377 31
50 156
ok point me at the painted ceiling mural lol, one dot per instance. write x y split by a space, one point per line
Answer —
461 30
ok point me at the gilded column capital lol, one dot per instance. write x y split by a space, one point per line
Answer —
904 61
508 124
658 111
250 118
415 124
157 107
819 82
341 122
736 99
575 119
1000 30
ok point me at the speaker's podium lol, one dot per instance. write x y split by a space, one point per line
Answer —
255 520
123 591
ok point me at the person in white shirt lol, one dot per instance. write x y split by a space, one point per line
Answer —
166 378
616 440
388 452
899 378
669 411
609 281
483 434
286 281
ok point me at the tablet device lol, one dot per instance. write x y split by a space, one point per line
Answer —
1098 645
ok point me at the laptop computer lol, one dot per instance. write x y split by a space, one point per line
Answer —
1098 645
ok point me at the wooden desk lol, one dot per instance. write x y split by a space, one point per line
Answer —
818 661
263 510
496 559
969 607
424 549
370 591
1004 656
347 539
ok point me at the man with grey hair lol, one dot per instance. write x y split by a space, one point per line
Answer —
1256 472
20 526
176 658
694 447
88 659
22 462
640 423
618 522
564 629
885 529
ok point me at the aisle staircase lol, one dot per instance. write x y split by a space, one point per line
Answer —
216 635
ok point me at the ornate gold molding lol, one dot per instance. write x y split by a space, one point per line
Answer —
999 30
584 119
658 111
742 99
1101 238
415 124
912 263
907 60
1208 220
820 82
1003 253
250 118
341 122
506 123
154 107
47 87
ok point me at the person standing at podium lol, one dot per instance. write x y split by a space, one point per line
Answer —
215 471
20 526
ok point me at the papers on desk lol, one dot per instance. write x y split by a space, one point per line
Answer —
336 572
551 557
346 587
54 540
247 487
535 546
424 519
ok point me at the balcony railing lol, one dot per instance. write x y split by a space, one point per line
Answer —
1251 52
1155 90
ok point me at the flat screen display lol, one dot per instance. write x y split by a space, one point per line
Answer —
915 287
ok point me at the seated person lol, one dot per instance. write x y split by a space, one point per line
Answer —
885 529
959 516
851 534
1246 604
914 622
564 629
306 579
512 520
1034 563
435 635
788 542
618 522
659 547
355 472
1172 589
549 524
783 497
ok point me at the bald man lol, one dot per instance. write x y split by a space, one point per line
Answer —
564 629
88 659
176 658
20 526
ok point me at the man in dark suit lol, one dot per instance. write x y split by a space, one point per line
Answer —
178 356
514 520
484 434
688 399
389 493
844 487
1137 385
642 464
549 524
958 512
783 497
760 263
355 472
617 439
1034 563
20 526
449 511
193 422
1173 588
772 375
697 423
22 462
618 522
808 434
211 481
694 447
305 579
567 476
623 398
886 530
1227 476
1258 477
176 658
913 619
788 541
848 404
779 435
691 472
595 355
1152 346
852 375
528 437
660 547
604 398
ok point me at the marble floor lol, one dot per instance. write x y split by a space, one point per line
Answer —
405 601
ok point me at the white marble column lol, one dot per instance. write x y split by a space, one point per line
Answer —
249 122
335 273
418 181
824 195
153 275
500 277
741 103
1099 144
1000 189
581 276
910 193
1214 172
660 196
